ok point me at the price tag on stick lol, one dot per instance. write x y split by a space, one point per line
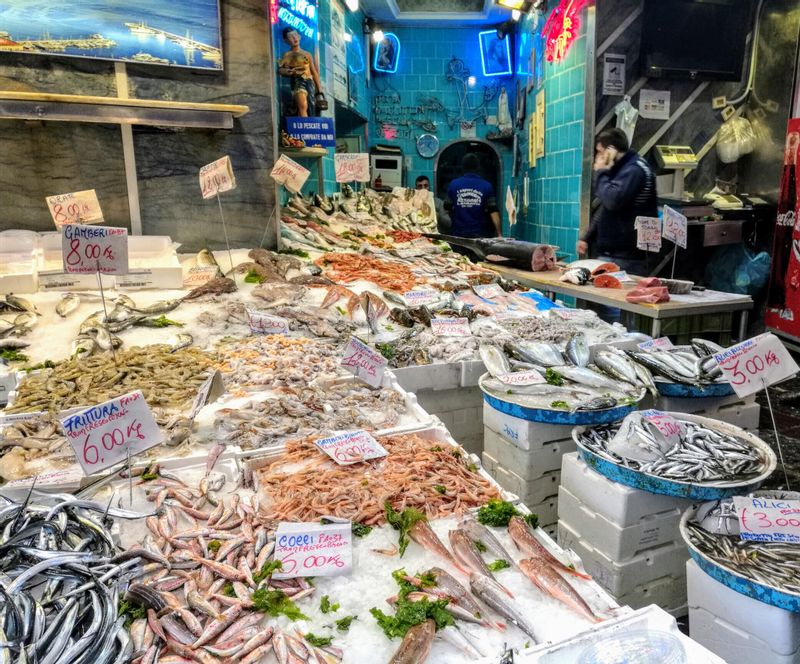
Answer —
217 177
91 249
768 520
756 363
648 234
313 549
351 447
531 377
662 343
672 430
105 434
451 327
263 323
80 207
675 227
364 362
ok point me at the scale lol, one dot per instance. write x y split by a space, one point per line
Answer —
676 158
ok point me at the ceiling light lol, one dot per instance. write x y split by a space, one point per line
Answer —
515 14
378 36
348 37
352 5
512 4
471 81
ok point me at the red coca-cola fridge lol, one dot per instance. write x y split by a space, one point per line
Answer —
783 298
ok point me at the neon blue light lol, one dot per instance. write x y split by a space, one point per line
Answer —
389 67
300 15
355 53
495 68
524 55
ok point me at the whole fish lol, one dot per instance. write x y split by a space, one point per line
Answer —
447 586
13 344
18 303
469 556
205 258
536 352
83 346
491 594
455 638
183 340
165 306
479 533
616 366
422 533
546 579
589 377
495 360
528 544
100 336
577 350
645 378
26 320
68 303
369 311
416 644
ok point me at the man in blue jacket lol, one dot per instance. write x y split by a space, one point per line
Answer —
626 189
472 204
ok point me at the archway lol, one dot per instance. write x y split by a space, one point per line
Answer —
448 164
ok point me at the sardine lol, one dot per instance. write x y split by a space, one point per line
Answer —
490 592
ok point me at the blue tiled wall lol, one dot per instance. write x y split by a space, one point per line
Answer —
553 214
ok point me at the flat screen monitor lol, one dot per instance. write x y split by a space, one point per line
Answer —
701 40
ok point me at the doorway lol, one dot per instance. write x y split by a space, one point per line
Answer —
448 164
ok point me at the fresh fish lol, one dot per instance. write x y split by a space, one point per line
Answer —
589 377
576 275
577 350
448 587
83 346
546 579
536 352
369 311
100 336
480 533
495 361
597 403
394 298
537 389
416 644
164 306
616 366
26 320
18 303
526 541
469 556
68 303
13 344
182 340
705 347
455 638
645 378
422 533
205 258
491 594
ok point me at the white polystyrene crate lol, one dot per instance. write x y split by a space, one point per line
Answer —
445 401
707 406
530 491
529 464
619 503
622 577
547 511
667 592
616 542
471 371
429 376
522 433
739 627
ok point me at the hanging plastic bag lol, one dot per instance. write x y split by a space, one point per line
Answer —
736 269
735 139
627 115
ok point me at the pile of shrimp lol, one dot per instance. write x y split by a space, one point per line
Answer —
346 268
305 484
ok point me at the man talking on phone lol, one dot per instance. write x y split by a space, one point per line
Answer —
626 189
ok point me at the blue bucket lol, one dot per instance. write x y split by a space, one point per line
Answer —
670 389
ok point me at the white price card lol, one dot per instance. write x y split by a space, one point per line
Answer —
488 291
674 227
768 519
451 327
90 249
217 177
364 362
63 477
79 207
102 435
264 323
573 314
648 234
416 298
756 363
662 343
351 167
672 430
200 275
313 549
531 377
289 173
351 447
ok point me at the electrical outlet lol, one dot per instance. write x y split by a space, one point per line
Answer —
718 102
728 112
772 106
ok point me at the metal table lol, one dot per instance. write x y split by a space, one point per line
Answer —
697 303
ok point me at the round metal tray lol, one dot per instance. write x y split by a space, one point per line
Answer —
692 491
547 416
669 389
728 577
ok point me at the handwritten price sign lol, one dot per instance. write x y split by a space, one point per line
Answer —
289 173
756 363
662 343
416 298
90 249
351 167
102 435
672 430
531 377
573 314
351 447
488 291
262 323
768 520
648 234
313 549
675 227
80 207
217 177
450 327
363 362
197 276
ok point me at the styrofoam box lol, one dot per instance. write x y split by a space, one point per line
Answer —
18 249
152 263
701 405
444 401
621 577
739 628
524 434
620 504
530 464
429 377
614 541
668 592
547 511
530 491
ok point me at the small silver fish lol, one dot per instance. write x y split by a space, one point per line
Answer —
578 350
182 340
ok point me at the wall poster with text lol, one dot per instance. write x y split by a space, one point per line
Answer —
783 299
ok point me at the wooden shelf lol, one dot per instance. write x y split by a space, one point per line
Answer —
114 110
309 153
